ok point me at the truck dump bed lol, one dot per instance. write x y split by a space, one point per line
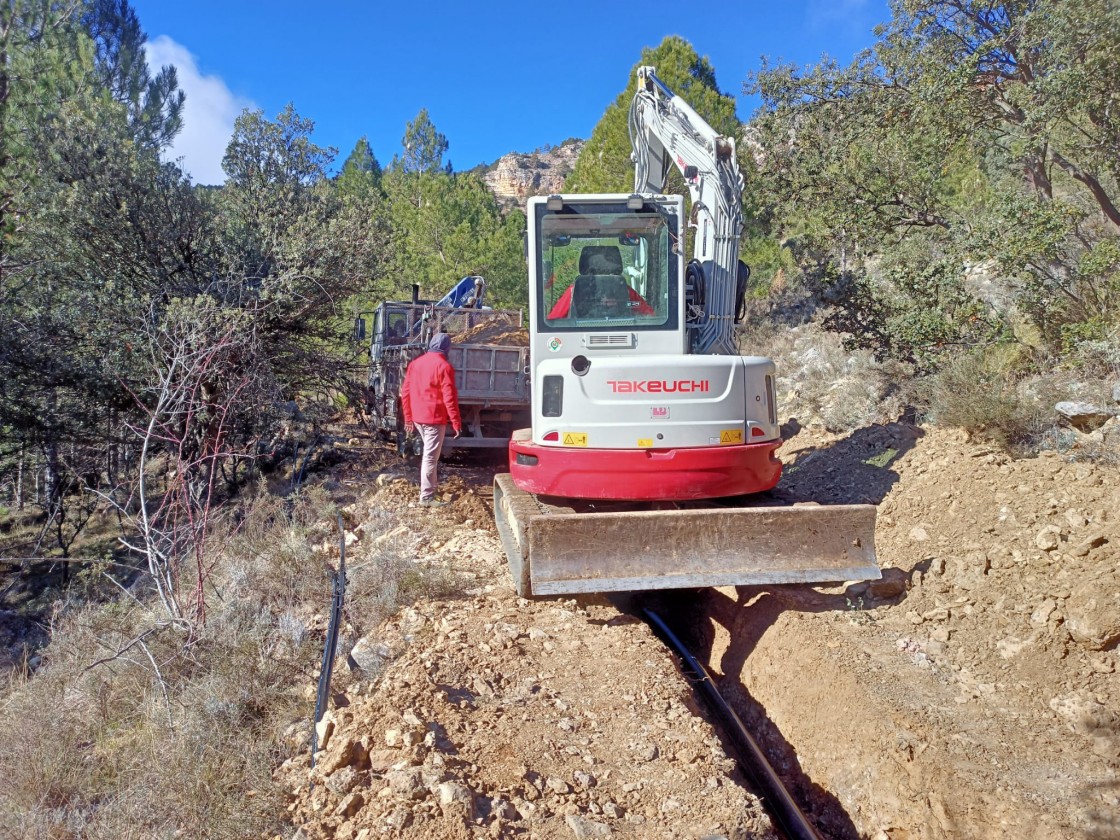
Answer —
490 354
489 374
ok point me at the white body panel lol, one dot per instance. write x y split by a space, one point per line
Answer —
656 402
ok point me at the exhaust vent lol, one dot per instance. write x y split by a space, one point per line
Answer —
610 340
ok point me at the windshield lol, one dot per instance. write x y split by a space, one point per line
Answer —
604 270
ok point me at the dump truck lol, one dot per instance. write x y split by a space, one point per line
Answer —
489 352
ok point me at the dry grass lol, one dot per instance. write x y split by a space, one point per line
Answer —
137 728
986 393
149 739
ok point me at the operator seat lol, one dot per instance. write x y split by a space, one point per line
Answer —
600 276
600 259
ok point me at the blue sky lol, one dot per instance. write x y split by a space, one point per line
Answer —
496 77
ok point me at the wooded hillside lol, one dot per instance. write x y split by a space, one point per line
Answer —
142 317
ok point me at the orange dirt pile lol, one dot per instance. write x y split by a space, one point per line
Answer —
494 332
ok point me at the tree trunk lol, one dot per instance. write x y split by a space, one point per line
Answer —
1038 177
1104 201
19 479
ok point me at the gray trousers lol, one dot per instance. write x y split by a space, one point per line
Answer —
433 446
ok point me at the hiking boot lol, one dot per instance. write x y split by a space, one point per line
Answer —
431 503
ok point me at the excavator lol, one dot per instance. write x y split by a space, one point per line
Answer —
651 435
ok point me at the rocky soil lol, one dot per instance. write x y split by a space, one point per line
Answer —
973 692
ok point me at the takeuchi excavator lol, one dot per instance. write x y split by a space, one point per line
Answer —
649 430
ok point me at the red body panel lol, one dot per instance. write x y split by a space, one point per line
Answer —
645 474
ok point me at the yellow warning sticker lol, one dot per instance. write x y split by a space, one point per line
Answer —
645 443
727 436
575 438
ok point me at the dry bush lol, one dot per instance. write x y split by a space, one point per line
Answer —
270 551
390 574
821 383
140 728
1098 359
136 728
987 393
1092 380
977 391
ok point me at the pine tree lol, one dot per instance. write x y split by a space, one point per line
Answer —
424 147
154 104
604 165
360 177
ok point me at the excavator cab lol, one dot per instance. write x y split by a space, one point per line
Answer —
608 268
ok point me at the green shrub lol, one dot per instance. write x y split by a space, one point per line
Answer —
1093 347
975 391
916 309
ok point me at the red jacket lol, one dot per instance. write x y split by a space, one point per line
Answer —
429 395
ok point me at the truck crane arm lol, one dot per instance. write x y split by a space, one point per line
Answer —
666 131
466 294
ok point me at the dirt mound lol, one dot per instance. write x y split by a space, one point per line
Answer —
973 692
499 720
502 717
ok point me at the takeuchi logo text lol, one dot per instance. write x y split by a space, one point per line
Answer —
658 386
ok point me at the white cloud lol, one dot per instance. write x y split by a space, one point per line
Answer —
208 114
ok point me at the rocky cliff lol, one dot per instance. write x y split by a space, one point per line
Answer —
516 176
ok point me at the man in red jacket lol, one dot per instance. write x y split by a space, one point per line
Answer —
430 401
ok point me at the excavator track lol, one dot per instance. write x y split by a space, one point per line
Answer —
555 550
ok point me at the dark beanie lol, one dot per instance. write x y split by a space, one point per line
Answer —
440 343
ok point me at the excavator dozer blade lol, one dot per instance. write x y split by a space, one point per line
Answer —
555 551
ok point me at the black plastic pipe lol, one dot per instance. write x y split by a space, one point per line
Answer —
327 668
783 810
